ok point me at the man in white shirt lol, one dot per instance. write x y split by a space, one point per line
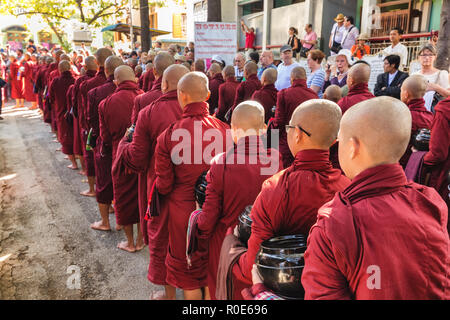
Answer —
397 48
284 69
350 35
239 62
337 34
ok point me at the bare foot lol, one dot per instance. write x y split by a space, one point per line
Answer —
98 225
88 193
83 173
119 227
84 180
111 210
158 295
140 246
124 246
66 157
71 166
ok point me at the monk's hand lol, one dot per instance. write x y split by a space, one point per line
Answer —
236 232
414 149
256 278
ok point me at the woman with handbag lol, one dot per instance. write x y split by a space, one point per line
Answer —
293 41
309 41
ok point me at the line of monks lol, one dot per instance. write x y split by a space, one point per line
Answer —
141 151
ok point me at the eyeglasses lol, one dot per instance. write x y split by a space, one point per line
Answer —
426 55
297 126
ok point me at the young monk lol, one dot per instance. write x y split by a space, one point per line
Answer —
216 79
224 202
99 79
177 180
102 156
139 156
149 76
227 91
267 95
288 201
115 118
369 241
28 74
287 101
162 61
249 86
412 92
333 93
16 81
57 92
358 85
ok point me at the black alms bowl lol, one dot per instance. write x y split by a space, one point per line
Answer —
200 189
280 263
422 140
245 225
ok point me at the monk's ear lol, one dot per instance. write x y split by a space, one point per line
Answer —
355 147
209 94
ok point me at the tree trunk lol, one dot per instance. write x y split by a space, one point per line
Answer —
443 45
214 11
145 25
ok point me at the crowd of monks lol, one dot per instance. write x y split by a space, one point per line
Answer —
336 174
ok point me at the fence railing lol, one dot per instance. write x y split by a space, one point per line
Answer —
390 20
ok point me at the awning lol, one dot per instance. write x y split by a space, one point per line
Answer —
125 28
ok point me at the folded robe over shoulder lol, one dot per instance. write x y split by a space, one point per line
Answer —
214 84
246 89
227 92
146 98
357 93
267 96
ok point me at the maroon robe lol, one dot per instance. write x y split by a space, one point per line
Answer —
381 238
16 84
421 118
267 96
58 97
287 101
438 158
40 84
146 98
47 105
357 93
288 203
29 94
246 89
139 156
149 78
224 202
98 80
214 84
177 182
102 156
115 118
227 92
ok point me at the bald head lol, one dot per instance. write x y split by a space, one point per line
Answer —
333 93
248 115
215 69
90 63
63 66
162 61
298 73
172 76
359 73
58 55
64 57
269 76
414 86
111 63
373 132
193 87
250 68
199 65
124 73
228 72
101 55
321 119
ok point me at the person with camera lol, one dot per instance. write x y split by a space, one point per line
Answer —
337 73
360 48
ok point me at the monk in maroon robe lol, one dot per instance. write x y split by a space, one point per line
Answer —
58 97
369 241
249 86
224 202
412 92
216 79
102 156
176 180
139 156
40 81
98 80
267 95
437 160
289 200
227 92
357 82
16 81
287 101
162 61
149 77
79 144
28 87
115 118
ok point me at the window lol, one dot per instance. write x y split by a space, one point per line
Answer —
253 7
201 11
282 3
179 25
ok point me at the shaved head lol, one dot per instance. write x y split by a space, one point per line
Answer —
58 55
248 115
199 65
359 73
251 68
333 93
321 119
162 61
101 55
228 72
63 66
373 132
298 73
416 86
269 76
193 87
111 63
64 57
172 76
215 69
124 73
91 63
148 66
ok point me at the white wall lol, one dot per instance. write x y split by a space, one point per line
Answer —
283 18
